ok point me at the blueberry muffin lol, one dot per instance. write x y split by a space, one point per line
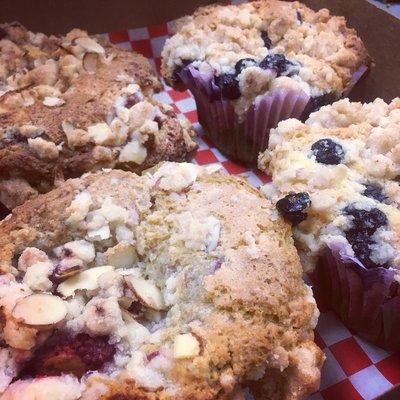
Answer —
118 286
336 179
75 104
251 65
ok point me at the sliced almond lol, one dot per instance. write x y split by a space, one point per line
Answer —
147 293
186 346
40 310
89 62
125 302
85 280
89 45
123 255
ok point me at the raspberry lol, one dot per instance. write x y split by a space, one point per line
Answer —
328 152
63 355
293 207
267 41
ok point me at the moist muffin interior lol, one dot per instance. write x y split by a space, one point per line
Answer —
74 104
345 159
261 46
182 283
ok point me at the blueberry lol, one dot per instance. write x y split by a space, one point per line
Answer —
277 62
294 206
244 63
299 17
176 79
229 86
367 221
328 152
360 243
3 33
267 41
374 191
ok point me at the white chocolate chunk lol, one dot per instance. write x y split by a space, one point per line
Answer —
133 151
50 101
186 346
82 249
101 134
79 207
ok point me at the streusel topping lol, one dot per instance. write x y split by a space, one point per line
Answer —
336 179
181 283
77 105
267 45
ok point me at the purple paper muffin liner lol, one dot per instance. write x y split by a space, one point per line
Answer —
243 138
367 300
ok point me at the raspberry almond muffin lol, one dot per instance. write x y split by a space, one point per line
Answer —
118 286
336 179
252 65
75 104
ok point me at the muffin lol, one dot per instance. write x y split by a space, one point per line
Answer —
336 179
116 285
76 104
252 65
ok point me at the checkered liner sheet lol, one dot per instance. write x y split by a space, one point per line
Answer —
354 369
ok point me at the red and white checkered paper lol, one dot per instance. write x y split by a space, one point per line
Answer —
354 369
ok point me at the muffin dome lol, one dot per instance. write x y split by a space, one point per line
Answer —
261 46
336 179
181 283
75 104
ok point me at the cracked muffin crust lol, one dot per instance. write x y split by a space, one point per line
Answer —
118 286
76 104
336 179
258 47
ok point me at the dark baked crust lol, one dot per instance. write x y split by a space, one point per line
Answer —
85 98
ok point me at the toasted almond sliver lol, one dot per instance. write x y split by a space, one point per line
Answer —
147 293
40 309
86 280
89 45
89 62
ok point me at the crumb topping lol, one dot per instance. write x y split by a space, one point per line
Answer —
75 104
265 45
345 157
141 286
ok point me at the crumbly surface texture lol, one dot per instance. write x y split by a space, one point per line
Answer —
266 45
76 104
338 177
182 283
